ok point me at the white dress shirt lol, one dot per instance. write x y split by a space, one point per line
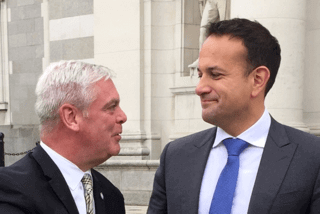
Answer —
249 159
73 175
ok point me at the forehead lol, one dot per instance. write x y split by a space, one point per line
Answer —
104 85
223 49
106 89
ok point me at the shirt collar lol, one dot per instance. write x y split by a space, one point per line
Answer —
256 135
71 172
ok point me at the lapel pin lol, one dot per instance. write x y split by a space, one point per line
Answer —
101 195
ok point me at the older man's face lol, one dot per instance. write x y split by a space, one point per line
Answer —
103 126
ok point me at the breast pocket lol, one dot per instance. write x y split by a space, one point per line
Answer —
291 202
290 197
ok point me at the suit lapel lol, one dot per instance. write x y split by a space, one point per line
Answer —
197 156
55 179
98 195
276 158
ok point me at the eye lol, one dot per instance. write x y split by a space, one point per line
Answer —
113 107
215 75
199 74
110 108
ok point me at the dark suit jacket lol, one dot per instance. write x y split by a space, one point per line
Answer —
287 182
34 184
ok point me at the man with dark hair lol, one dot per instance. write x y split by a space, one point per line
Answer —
262 48
81 122
248 163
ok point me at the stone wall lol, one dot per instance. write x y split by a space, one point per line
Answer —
71 30
312 72
25 43
26 50
19 139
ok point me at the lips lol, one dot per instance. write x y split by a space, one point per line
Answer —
205 98
208 100
204 101
117 135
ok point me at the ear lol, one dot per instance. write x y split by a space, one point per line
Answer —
261 76
69 116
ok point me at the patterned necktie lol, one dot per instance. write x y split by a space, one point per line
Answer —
88 195
223 195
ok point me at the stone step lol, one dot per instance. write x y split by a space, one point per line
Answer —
136 209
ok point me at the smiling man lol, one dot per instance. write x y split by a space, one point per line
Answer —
248 163
81 122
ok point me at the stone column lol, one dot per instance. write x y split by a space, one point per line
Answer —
132 37
187 107
118 44
287 22
4 66
312 75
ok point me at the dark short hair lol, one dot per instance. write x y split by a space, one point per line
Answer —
263 48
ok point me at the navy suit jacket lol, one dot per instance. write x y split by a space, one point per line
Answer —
288 179
35 185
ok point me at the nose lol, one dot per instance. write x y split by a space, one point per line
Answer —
203 86
122 118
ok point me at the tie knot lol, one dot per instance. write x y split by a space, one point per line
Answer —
235 146
86 180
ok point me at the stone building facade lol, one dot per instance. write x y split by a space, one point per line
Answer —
149 44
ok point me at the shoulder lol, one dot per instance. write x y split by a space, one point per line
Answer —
197 139
307 143
297 136
20 182
303 139
22 170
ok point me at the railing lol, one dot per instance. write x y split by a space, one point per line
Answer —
2 153
1 149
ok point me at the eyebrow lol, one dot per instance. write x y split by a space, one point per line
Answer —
213 68
111 102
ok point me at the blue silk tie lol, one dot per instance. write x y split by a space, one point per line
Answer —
223 195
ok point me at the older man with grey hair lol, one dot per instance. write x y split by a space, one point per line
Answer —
81 122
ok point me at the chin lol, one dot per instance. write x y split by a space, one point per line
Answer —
208 118
115 152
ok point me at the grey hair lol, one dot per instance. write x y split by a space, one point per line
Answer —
66 82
